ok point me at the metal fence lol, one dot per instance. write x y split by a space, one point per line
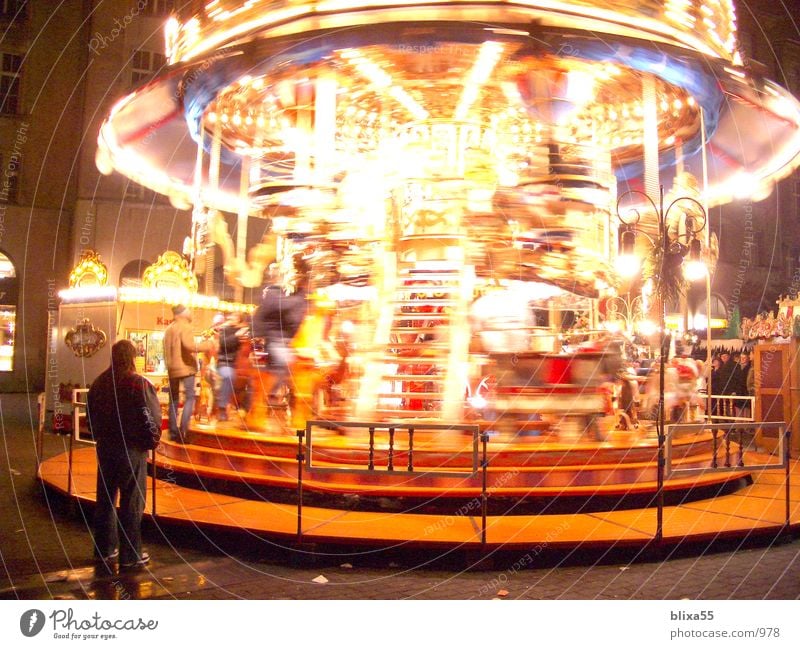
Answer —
728 451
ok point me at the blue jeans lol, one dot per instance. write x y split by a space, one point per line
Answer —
175 434
227 375
280 356
123 473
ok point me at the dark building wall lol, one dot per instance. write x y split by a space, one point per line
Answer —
115 217
760 241
39 143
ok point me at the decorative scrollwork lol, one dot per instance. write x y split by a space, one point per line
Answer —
84 339
89 271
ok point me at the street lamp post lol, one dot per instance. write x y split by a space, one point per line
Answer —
670 258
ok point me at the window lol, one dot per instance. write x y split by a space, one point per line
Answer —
14 9
131 274
144 64
10 75
8 312
158 8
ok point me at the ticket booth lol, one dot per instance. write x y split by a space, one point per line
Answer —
93 315
776 364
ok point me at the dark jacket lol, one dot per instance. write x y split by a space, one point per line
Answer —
726 379
228 345
279 315
739 379
123 411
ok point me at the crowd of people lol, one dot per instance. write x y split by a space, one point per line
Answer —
732 375
685 386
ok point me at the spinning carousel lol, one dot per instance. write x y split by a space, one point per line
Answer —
449 174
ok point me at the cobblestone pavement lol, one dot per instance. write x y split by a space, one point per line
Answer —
45 553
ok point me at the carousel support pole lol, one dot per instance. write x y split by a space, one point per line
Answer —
300 459
241 221
198 200
652 189
214 158
208 278
708 273
664 355
484 495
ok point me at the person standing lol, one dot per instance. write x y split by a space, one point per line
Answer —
277 319
124 416
229 344
740 379
180 355
716 385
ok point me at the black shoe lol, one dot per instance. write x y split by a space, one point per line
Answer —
143 560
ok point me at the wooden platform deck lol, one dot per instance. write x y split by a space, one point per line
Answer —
758 509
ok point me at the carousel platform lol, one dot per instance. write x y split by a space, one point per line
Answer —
525 473
233 480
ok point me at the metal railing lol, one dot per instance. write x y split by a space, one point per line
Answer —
732 408
722 440
723 436
305 456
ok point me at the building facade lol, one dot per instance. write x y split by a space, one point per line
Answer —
63 67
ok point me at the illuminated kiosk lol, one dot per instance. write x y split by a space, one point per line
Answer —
440 166
93 315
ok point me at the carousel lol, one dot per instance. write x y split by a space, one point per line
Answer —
451 185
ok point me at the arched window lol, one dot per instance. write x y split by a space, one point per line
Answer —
132 272
8 312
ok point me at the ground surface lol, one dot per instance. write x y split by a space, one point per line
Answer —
45 553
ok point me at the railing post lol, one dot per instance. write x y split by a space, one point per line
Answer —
728 448
300 460
410 448
714 447
662 442
740 458
69 465
484 436
390 466
371 465
787 438
41 401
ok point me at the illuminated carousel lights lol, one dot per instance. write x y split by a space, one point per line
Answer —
216 26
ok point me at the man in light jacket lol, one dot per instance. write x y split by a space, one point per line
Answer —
180 355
